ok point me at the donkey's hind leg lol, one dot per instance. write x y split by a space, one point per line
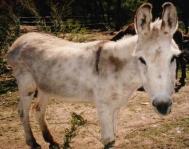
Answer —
40 107
27 88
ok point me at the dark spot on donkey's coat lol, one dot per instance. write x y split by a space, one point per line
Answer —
118 63
30 93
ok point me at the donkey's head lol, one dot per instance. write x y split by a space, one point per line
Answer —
156 53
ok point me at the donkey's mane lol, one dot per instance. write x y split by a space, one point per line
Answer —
156 24
127 39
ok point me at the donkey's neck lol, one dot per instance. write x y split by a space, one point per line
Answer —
126 46
123 51
123 48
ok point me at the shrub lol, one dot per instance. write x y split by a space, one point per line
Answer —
9 27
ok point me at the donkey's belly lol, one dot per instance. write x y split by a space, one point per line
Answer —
68 83
64 72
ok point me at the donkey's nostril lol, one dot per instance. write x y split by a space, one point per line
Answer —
154 103
170 103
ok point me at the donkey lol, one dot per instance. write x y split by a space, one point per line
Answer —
103 72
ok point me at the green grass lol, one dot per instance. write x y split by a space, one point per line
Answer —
187 72
76 122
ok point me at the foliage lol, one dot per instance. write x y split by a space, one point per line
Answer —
132 5
76 121
8 85
59 12
31 6
9 31
9 27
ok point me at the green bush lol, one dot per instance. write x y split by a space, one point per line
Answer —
9 28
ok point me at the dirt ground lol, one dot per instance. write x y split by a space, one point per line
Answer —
139 126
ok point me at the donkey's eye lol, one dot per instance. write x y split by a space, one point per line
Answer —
173 58
142 60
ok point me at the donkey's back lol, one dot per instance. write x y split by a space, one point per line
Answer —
35 42
30 42
54 65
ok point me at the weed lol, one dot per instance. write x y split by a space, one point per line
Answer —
76 121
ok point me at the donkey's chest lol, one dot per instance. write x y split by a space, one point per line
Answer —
118 90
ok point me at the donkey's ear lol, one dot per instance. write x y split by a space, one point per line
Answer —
169 18
143 19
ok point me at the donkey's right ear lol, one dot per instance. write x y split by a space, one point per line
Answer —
169 18
143 19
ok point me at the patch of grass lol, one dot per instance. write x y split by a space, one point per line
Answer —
7 82
187 73
10 99
76 121
8 85
77 37
171 135
3 66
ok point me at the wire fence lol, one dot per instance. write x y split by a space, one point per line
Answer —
82 20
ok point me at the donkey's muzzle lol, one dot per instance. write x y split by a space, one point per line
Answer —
163 107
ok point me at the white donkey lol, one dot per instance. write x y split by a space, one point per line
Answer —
103 72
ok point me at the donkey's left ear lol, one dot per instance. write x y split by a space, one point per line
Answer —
169 18
143 19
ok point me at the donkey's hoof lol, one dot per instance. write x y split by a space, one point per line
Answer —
54 146
36 146
109 145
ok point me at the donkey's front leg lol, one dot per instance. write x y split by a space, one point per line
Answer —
107 120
